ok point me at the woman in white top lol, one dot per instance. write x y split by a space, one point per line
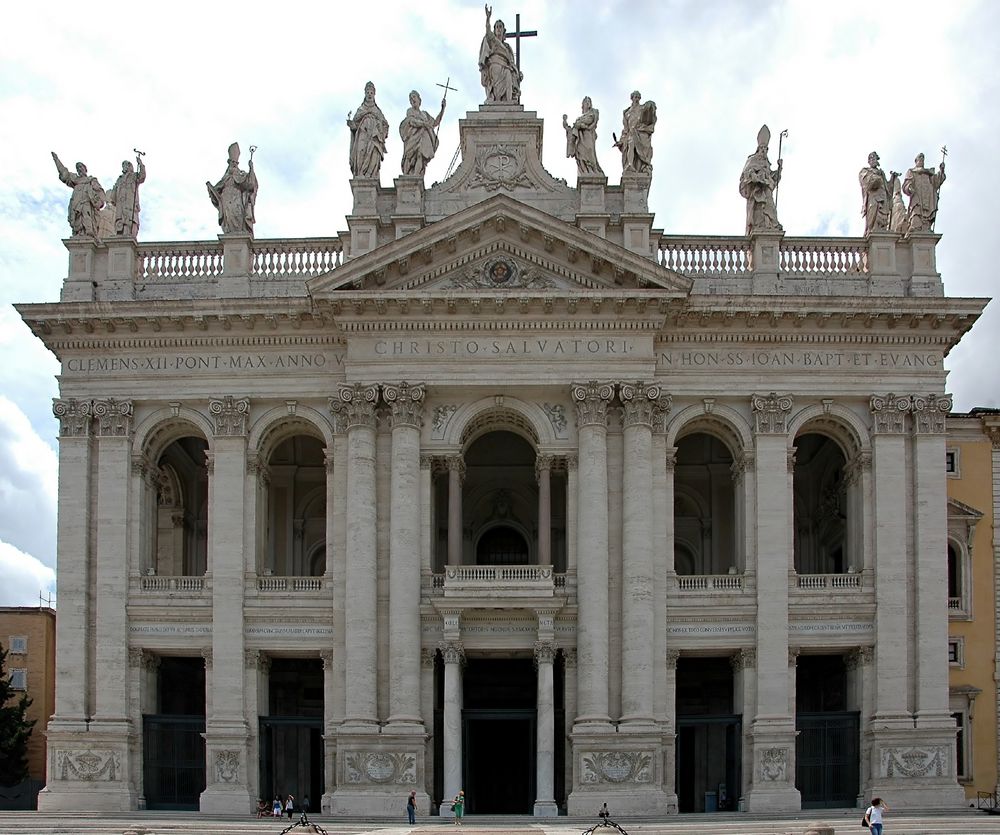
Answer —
873 815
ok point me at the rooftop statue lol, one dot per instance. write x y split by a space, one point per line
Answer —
876 201
235 195
419 134
369 130
125 196
923 186
498 72
636 141
581 139
757 184
86 200
897 218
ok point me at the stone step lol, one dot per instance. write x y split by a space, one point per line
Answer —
843 822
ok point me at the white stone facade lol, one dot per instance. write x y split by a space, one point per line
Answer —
503 301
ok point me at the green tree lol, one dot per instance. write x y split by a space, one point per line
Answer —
15 730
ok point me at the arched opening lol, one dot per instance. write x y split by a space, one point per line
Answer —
502 545
705 529
295 509
821 507
180 518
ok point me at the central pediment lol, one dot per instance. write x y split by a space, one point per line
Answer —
499 245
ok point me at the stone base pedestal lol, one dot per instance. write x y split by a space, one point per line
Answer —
227 766
772 787
623 769
914 766
375 771
546 809
89 771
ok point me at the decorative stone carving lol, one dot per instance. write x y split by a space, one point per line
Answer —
744 659
591 400
457 463
933 761
572 462
641 402
441 418
556 413
326 656
125 196
419 132
757 184
672 656
381 767
498 71
427 657
86 200
889 412
235 195
923 186
545 653
858 658
773 765
636 141
406 403
616 767
770 413
581 138
227 766
876 195
501 273
114 417
369 130
742 462
930 413
857 467
90 766
569 658
231 415
501 166
206 654
453 652
74 417
356 403
543 462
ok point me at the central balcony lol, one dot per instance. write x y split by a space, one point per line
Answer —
498 582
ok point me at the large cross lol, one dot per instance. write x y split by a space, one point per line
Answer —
517 34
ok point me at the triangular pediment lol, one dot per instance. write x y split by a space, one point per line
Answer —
961 510
499 245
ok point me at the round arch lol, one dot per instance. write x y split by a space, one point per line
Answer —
510 524
834 421
511 414
164 426
723 422
277 425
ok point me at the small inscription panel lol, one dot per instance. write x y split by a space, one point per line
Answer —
697 359
256 362
500 348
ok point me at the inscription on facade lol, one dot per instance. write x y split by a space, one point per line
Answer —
735 359
497 348
206 363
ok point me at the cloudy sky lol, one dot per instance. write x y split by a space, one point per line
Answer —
183 80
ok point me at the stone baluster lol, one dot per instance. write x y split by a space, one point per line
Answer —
453 654
456 475
358 403
406 403
591 401
545 804
543 474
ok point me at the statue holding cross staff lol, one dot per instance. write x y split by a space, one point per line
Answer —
498 70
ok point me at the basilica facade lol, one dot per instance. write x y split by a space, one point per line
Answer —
504 491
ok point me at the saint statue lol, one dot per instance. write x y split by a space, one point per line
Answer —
876 200
757 184
419 134
86 200
498 72
897 218
581 139
369 130
636 141
922 186
125 196
235 195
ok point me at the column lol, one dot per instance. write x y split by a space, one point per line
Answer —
360 603
406 414
662 517
671 657
336 537
227 732
772 731
456 474
427 657
330 721
860 697
426 515
545 804
639 404
453 654
572 465
743 662
591 401
569 713
543 471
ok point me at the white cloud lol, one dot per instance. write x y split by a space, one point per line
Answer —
23 578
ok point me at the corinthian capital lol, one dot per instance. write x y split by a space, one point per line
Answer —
889 413
230 414
114 417
930 412
591 401
770 412
406 403
74 417
356 404
642 403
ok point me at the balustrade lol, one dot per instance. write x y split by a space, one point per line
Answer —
710 582
272 258
828 581
171 260
185 584
292 584
822 256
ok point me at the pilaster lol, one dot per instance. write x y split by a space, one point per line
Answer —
545 804
453 655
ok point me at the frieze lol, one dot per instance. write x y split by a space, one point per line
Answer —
88 766
227 766
616 767
932 761
712 629
381 767
170 628
296 631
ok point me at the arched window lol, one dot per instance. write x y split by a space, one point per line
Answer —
502 545
821 506
705 529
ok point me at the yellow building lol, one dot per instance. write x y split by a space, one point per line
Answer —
28 633
973 467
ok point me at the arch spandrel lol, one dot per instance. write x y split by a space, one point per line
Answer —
164 426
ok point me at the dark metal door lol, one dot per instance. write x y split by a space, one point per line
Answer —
827 759
173 761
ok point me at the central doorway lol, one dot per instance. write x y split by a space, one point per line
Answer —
498 736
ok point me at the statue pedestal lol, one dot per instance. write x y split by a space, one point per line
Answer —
363 221
765 249
636 218
80 278
925 280
409 213
235 279
122 260
592 215
883 274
